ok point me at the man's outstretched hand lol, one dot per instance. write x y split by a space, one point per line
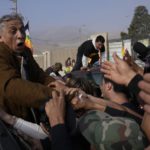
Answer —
119 71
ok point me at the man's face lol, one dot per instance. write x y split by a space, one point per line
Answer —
99 45
13 35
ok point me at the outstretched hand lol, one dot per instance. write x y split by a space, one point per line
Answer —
119 71
127 58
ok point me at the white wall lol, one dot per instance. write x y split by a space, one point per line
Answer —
118 46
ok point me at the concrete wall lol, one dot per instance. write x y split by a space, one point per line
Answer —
115 47
62 55
118 47
49 58
39 58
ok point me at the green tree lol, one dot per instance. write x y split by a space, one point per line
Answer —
140 25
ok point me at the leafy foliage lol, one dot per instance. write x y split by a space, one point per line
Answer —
140 25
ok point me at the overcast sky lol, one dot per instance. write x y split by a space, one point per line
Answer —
112 16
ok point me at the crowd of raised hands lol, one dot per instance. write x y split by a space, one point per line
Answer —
124 72
121 71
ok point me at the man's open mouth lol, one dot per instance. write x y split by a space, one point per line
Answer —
20 44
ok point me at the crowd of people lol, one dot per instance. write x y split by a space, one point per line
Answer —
43 112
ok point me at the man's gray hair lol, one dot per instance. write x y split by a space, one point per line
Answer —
10 17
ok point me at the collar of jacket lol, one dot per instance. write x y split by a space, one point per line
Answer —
93 42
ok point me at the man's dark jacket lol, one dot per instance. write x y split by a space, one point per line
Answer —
87 48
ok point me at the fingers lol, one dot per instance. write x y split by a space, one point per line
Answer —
107 64
77 104
47 107
147 77
57 96
74 101
144 86
60 81
52 84
106 67
79 101
105 71
61 93
147 108
72 91
54 94
116 58
56 83
108 76
145 97
145 93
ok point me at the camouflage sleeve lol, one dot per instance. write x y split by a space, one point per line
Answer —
110 133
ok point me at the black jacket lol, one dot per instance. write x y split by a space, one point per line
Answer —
62 140
87 48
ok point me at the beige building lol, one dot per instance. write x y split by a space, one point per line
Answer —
48 58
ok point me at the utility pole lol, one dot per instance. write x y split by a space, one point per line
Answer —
80 32
15 8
